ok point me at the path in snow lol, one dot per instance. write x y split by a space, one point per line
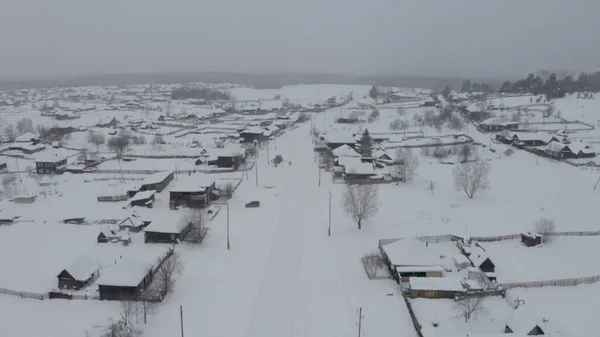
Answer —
301 293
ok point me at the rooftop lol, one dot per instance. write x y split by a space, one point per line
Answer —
82 268
125 273
197 182
436 283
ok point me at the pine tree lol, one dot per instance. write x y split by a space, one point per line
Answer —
365 144
373 93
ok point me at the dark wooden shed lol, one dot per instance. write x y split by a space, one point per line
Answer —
78 275
531 239
124 280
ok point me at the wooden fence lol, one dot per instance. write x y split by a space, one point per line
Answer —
112 198
518 236
24 294
569 282
483 293
412 314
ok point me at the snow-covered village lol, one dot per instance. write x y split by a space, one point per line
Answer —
309 210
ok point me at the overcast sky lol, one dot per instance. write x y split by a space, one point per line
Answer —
476 38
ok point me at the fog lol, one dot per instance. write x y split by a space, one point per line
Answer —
491 38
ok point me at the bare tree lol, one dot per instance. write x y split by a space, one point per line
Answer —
361 202
431 186
8 184
401 111
24 125
509 152
198 230
472 177
326 159
119 329
372 262
158 139
404 126
410 162
119 145
470 307
83 155
395 124
96 138
128 311
464 152
10 133
227 190
545 227
166 274
146 304
251 151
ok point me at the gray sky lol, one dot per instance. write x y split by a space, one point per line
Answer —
478 38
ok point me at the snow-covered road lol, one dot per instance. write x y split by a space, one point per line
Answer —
301 293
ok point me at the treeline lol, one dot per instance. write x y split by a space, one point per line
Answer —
553 87
199 93
467 86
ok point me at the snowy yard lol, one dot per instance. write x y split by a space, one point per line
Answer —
451 323
563 257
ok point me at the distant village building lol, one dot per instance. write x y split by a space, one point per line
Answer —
79 274
49 163
124 280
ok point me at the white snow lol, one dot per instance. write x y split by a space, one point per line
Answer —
125 272
82 268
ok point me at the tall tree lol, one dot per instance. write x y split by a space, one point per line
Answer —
466 86
365 144
373 93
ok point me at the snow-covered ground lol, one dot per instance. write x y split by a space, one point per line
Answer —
563 257
283 275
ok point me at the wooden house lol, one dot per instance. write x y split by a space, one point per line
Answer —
251 134
107 235
437 287
29 138
531 239
192 191
334 141
133 224
404 273
24 199
166 231
413 257
79 274
3 165
492 124
49 163
124 280
231 157
157 181
143 198
530 324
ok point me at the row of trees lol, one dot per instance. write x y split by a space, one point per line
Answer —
200 93
552 86
468 86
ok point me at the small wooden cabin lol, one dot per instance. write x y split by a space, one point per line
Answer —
79 274
124 280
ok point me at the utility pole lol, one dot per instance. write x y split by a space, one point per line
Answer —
228 225
181 318
267 152
329 228
256 164
360 318
275 139
319 176
18 172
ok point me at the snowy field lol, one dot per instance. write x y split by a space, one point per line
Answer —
563 257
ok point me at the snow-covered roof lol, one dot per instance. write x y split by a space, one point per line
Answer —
197 182
528 136
473 108
156 178
460 260
82 268
555 146
254 130
436 283
478 256
419 269
27 137
345 151
381 153
132 221
359 168
581 147
340 138
228 151
411 252
142 195
523 321
51 156
125 273
490 121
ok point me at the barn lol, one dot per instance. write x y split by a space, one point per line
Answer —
124 280
143 198
79 274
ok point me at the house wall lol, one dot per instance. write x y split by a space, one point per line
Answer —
432 294
155 237
49 168
116 293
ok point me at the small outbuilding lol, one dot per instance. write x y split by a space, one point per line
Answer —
132 223
480 260
167 230
531 239
79 274
461 261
